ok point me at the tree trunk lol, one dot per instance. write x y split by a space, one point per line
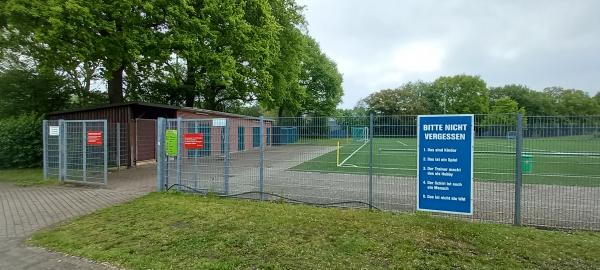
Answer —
190 86
115 86
280 112
211 101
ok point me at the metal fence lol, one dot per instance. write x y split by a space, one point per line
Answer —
538 171
76 151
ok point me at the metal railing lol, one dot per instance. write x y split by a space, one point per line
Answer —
537 171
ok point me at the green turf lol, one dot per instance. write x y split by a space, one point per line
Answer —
177 231
494 159
25 177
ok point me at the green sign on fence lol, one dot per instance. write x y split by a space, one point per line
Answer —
172 142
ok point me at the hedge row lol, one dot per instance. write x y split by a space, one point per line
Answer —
21 141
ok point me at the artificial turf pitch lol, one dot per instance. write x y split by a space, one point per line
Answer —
571 161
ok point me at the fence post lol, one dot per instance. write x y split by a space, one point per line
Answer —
62 148
371 161
262 158
45 143
84 149
226 153
518 169
179 153
160 155
105 152
136 141
118 155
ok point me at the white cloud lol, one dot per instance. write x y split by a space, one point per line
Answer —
418 57
385 43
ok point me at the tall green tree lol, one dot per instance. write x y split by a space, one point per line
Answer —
90 36
458 94
27 91
408 99
572 101
322 81
227 47
288 93
535 102
502 113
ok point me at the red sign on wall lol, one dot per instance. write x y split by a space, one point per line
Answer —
94 138
193 140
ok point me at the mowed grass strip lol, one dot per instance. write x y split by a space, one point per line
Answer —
25 177
179 231
494 160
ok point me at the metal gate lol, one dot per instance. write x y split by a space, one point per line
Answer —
76 151
192 155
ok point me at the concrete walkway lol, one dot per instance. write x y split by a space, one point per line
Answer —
23 210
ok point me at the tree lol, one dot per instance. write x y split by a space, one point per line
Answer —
458 94
503 113
88 36
322 81
407 99
26 91
535 102
572 101
288 93
227 48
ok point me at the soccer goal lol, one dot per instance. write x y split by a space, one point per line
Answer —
360 134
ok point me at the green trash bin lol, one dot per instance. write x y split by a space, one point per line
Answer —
527 163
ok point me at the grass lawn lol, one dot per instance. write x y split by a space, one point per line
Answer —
557 161
25 177
179 231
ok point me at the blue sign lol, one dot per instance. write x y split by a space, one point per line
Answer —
445 163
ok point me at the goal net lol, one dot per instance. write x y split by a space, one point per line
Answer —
360 134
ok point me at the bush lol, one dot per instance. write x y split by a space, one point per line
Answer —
21 141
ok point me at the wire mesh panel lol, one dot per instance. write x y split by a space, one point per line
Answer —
118 145
541 171
194 161
494 168
243 159
51 149
76 151
395 162
561 172
311 161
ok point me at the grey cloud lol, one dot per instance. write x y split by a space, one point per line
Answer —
537 43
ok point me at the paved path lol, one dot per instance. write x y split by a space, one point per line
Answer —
24 210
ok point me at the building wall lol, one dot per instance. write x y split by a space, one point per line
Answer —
234 123
126 115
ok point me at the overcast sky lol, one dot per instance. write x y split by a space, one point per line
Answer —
385 43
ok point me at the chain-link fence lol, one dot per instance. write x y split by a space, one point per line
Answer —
539 171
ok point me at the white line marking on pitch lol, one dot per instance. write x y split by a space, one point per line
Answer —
342 163
402 143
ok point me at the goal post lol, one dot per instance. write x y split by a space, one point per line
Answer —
360 134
